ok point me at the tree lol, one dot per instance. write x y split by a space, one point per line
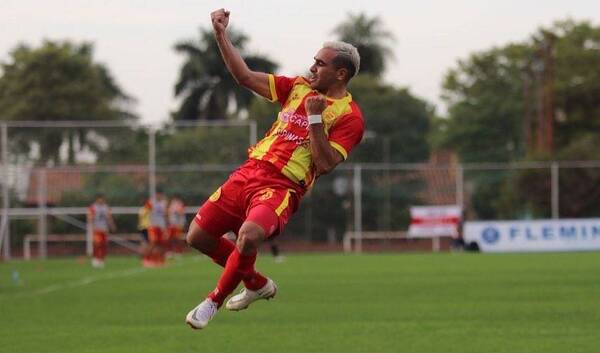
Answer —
397 123
492 92
504 99
370 38
485 99
207 89
58 81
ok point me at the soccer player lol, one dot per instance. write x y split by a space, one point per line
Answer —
143 226
318 125
157 232
100 218
176 216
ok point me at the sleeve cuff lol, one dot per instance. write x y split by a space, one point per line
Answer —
274 97
339 148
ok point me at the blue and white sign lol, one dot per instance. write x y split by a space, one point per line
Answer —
537 235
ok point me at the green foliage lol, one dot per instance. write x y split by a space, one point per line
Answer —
205 86
202 145
577 85
398 123
125 146
57 81
264 113
579 188
371 39
488 96
484 95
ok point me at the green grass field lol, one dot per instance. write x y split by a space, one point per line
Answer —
326 303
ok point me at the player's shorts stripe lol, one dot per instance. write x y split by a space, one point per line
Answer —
284 203
339 148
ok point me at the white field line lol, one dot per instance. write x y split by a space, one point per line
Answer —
93 279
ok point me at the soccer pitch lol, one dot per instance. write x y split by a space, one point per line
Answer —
326 303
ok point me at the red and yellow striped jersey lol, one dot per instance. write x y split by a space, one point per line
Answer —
287 144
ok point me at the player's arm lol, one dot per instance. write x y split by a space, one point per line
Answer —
324 157
253 80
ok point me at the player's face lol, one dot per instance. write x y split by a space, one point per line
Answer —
323 73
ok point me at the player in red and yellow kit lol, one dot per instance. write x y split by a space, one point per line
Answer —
317 127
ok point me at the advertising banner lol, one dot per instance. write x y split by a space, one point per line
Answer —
434 221
535 235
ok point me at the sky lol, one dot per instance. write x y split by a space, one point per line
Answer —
135 38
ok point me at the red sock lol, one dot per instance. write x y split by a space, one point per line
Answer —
222 251
238 266
254 280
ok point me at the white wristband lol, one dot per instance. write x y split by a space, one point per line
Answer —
315 119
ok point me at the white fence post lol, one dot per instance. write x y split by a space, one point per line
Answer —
43 212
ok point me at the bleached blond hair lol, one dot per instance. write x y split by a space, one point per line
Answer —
347 56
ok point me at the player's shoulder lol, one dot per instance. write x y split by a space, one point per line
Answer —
299 82
355 109
292 80
354 112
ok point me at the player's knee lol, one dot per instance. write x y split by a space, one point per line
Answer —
199 240
249 239
190 238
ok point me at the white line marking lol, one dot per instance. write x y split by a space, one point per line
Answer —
92 279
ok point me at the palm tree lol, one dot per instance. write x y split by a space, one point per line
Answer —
205 85
369 37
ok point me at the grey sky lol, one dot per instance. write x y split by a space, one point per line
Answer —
134 38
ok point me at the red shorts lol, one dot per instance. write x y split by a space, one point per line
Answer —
156 235
256 192
175 232
100 237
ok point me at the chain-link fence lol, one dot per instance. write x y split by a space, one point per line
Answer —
47 185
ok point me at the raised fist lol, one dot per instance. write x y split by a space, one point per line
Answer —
314 105
220 20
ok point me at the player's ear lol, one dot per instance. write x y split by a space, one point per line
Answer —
342 74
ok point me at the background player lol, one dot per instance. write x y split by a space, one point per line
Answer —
101 221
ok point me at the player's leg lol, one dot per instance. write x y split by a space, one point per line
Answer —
97 258
240 264
260 217
205 234
103 247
